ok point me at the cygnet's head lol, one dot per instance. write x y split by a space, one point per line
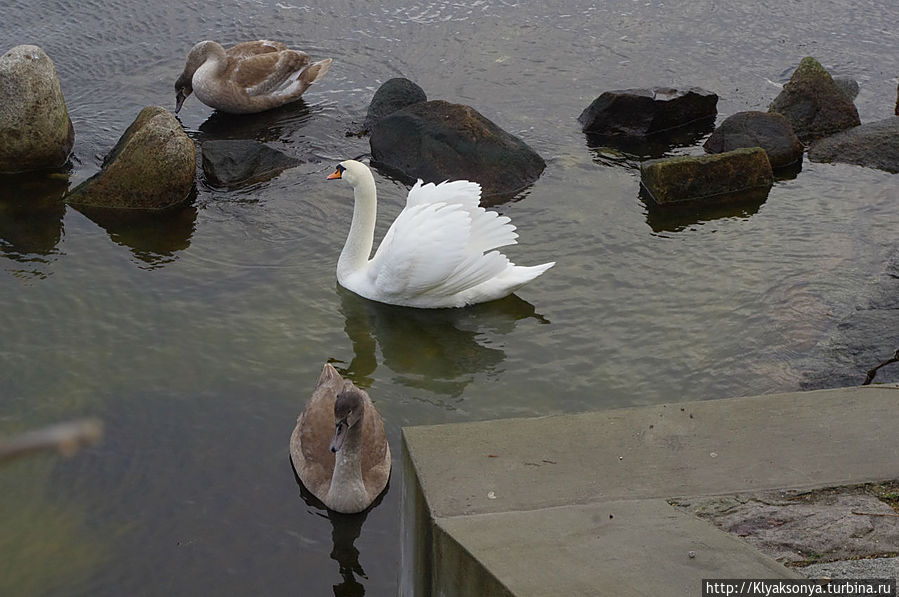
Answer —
351 171
195 58
348 410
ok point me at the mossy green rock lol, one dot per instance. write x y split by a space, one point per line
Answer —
814 104
35 129
716 178
153 166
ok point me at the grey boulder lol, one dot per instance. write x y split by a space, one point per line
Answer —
770 131
35 130
875 145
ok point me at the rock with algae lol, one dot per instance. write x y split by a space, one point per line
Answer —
153 166
35 130
814 104
742 174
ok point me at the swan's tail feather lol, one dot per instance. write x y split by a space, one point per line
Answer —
315 71
519 275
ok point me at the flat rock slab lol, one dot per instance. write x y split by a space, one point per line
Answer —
874 145
642 112
799 440
800 527
152 166
738 175
241 162
770 131
438 140
579 504
611 549
815 106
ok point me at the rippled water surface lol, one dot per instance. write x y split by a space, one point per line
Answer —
198 337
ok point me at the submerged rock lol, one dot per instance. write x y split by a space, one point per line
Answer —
35 129
739 175
814 104
393 95
438 141
875 145
770 131
153 166
641 112
231 163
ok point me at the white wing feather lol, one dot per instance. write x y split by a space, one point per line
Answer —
439 243
420 250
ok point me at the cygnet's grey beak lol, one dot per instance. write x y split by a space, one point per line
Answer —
339 435
179 99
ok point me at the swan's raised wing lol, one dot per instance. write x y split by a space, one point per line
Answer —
489 230
421 248
462 192
438 249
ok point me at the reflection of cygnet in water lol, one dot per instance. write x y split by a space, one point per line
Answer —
436 349
339 448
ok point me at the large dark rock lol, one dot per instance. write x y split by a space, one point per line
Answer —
641 112
35 129
233 163
393 95
152 166
848 86
875 145
770 131
814 104
742 174
438 141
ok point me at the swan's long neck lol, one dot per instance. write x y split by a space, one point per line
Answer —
359 241
347 492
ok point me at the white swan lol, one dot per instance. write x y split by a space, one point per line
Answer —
439 252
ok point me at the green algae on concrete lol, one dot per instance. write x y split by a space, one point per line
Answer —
35 130
741 174
153 166
814 104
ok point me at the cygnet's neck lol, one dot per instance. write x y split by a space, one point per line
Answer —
211 58
347 492
359 241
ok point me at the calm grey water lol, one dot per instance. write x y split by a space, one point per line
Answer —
198 338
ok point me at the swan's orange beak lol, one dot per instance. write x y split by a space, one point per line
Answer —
335 174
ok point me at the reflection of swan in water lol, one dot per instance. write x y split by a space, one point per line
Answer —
345 529
436 349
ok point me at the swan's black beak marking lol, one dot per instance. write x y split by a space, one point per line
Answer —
337 173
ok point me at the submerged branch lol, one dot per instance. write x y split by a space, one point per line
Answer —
65 438
872 372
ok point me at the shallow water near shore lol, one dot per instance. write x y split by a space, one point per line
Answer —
197 336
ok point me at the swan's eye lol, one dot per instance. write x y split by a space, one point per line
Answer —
341 169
